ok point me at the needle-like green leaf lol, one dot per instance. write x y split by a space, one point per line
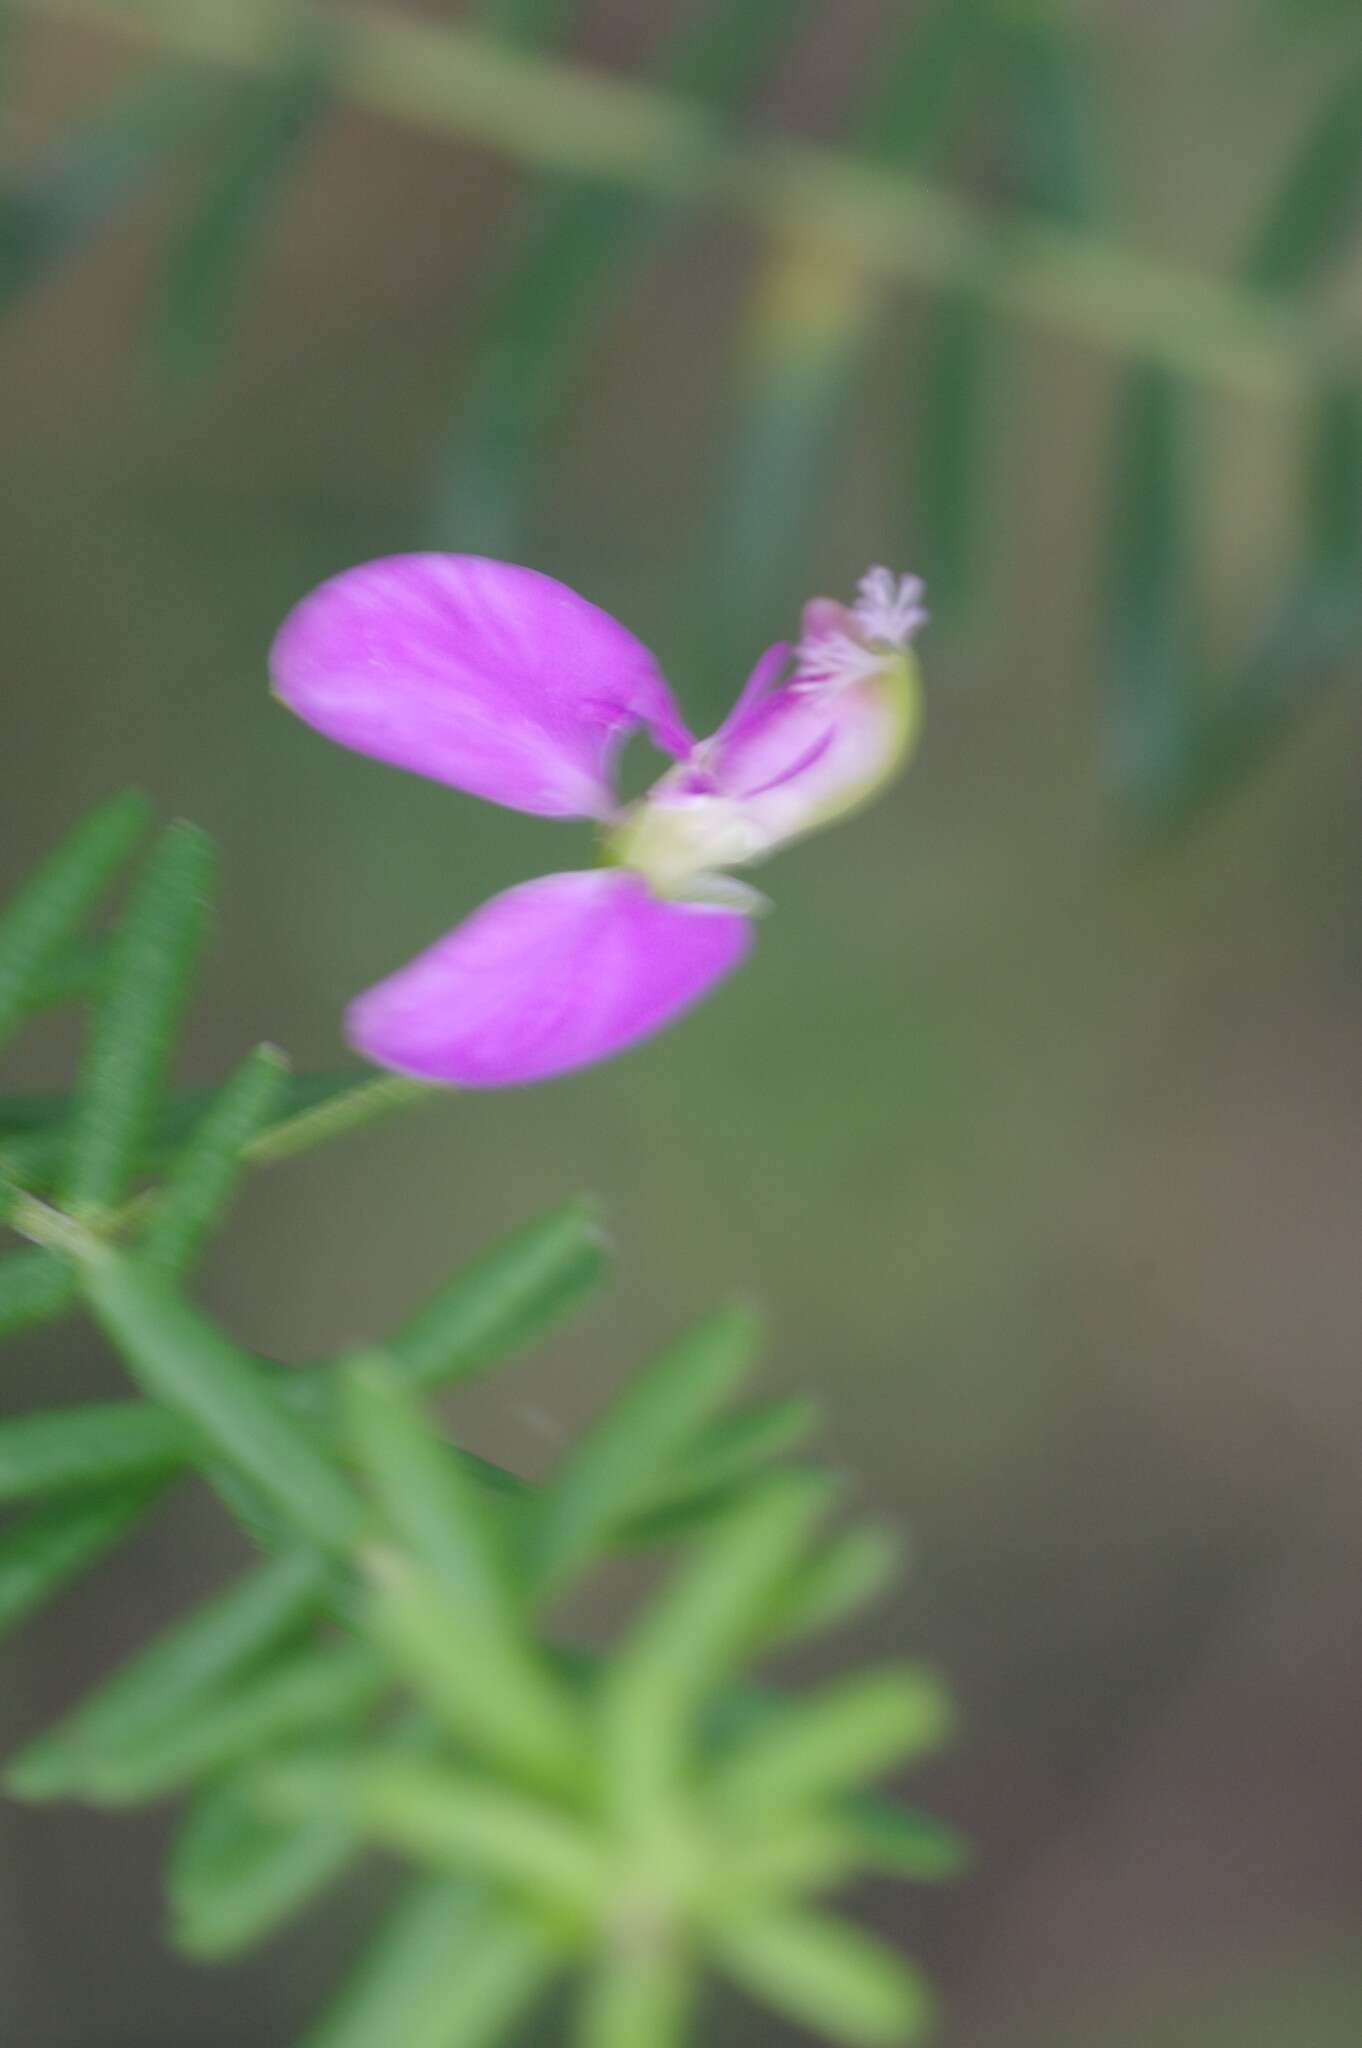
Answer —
135 1026
94 170
234 1878
1151 711
827 1976
1316 624
804 343
1311 223
75 1449
319 1688
1332 495
35 1287
73 976
266 132
56 1544
504 1300
33 1152
178 1357
41 922
854 1730
639 1997
565 271
450 1969
1044 64
847 1574
530 23
221 1640
449 1610
696 1629
612 1471
723 1456
200 1185
904 1843
912 88
470 1824
948 472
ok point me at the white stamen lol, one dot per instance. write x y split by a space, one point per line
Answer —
889 608
832 662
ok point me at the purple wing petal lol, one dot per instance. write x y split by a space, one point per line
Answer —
547 976
496 679
756 690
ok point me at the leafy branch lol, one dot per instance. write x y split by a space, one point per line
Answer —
839 229
391 1672
558 116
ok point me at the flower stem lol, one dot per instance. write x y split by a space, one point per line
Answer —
326 1120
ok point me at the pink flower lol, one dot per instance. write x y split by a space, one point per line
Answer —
505 683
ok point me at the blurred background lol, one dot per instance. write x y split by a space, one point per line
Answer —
1034 1124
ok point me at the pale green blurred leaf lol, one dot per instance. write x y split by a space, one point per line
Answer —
612 1469
826 1975
222 1639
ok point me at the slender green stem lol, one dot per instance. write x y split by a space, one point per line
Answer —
563 117
363 1104
333 1119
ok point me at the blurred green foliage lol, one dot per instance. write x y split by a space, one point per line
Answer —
1041 1157
633 1817
582 245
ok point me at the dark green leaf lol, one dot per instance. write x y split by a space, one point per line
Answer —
728 53
235 1877
449 1969
95 171
914 82
724 1455
33 1146
612 1471
697 1628
39 1557
35 1287
453 1619
1315 627
902 1842
951 443
639 1996
856 1728
75 1449
565 271
827 1976
177 1356
1309 15
204 1177
74 975
222 1640
316 1689
807 334
1311 224
268 128
1150 707
530 23
25 1114
504 1300
1333 490
1049 91
135 1026
467 1823
40 924
847 1573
